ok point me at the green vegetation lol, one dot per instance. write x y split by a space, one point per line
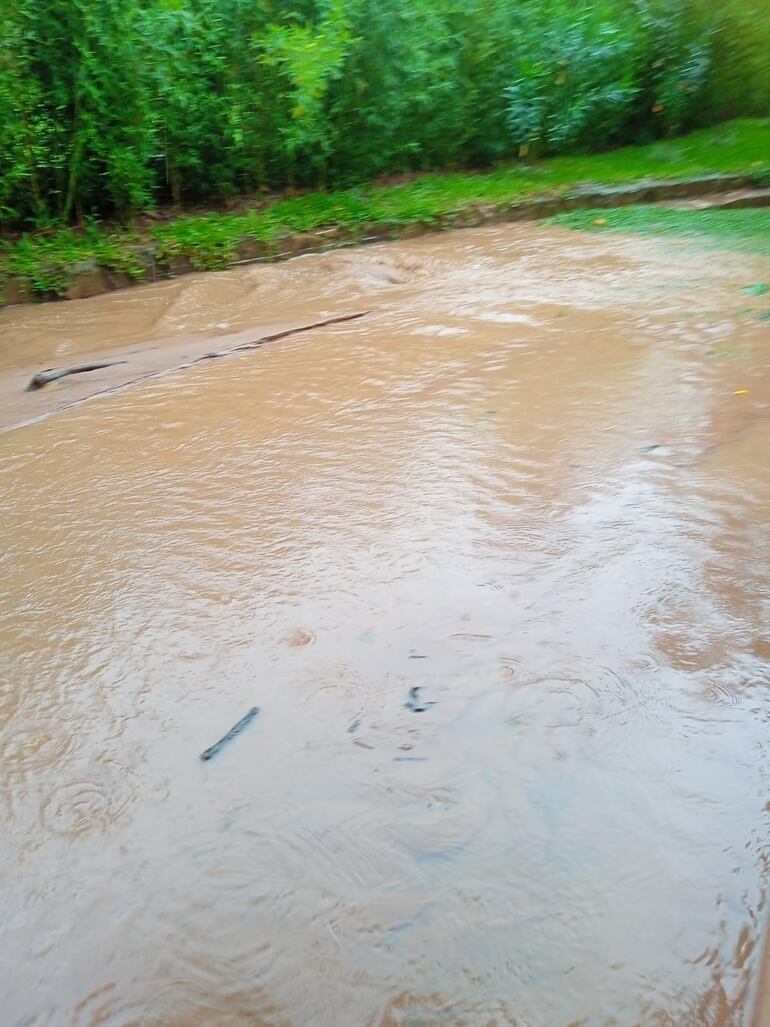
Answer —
45 260
109 107
746 229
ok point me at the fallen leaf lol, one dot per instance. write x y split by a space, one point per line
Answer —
741 392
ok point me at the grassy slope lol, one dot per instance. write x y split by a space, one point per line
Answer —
747 230
45 260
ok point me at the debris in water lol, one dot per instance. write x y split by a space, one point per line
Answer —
354 724
758 289
234 730
741 392
45 377
365 743
415 703
417 656
652 448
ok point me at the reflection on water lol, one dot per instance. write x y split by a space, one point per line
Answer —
523 486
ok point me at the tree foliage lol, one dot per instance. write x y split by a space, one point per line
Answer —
110 106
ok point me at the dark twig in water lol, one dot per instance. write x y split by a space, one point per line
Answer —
415 703
120 386
234 730
52 374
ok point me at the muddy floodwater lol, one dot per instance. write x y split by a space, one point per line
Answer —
533 484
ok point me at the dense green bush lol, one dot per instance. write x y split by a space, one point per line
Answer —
577 81
110 106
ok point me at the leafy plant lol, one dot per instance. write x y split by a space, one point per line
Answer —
575 85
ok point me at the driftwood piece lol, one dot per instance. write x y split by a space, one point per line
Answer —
53 373
234 730
46 376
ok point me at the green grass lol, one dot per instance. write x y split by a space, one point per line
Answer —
747 230
46 260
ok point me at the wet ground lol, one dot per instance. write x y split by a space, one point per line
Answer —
533 484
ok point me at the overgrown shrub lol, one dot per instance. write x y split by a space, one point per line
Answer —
576 81
111 106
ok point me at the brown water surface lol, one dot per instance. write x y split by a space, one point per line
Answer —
523 484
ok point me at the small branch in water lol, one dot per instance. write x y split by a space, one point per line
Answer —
52 374
415 703
234 730
120 386
282 335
